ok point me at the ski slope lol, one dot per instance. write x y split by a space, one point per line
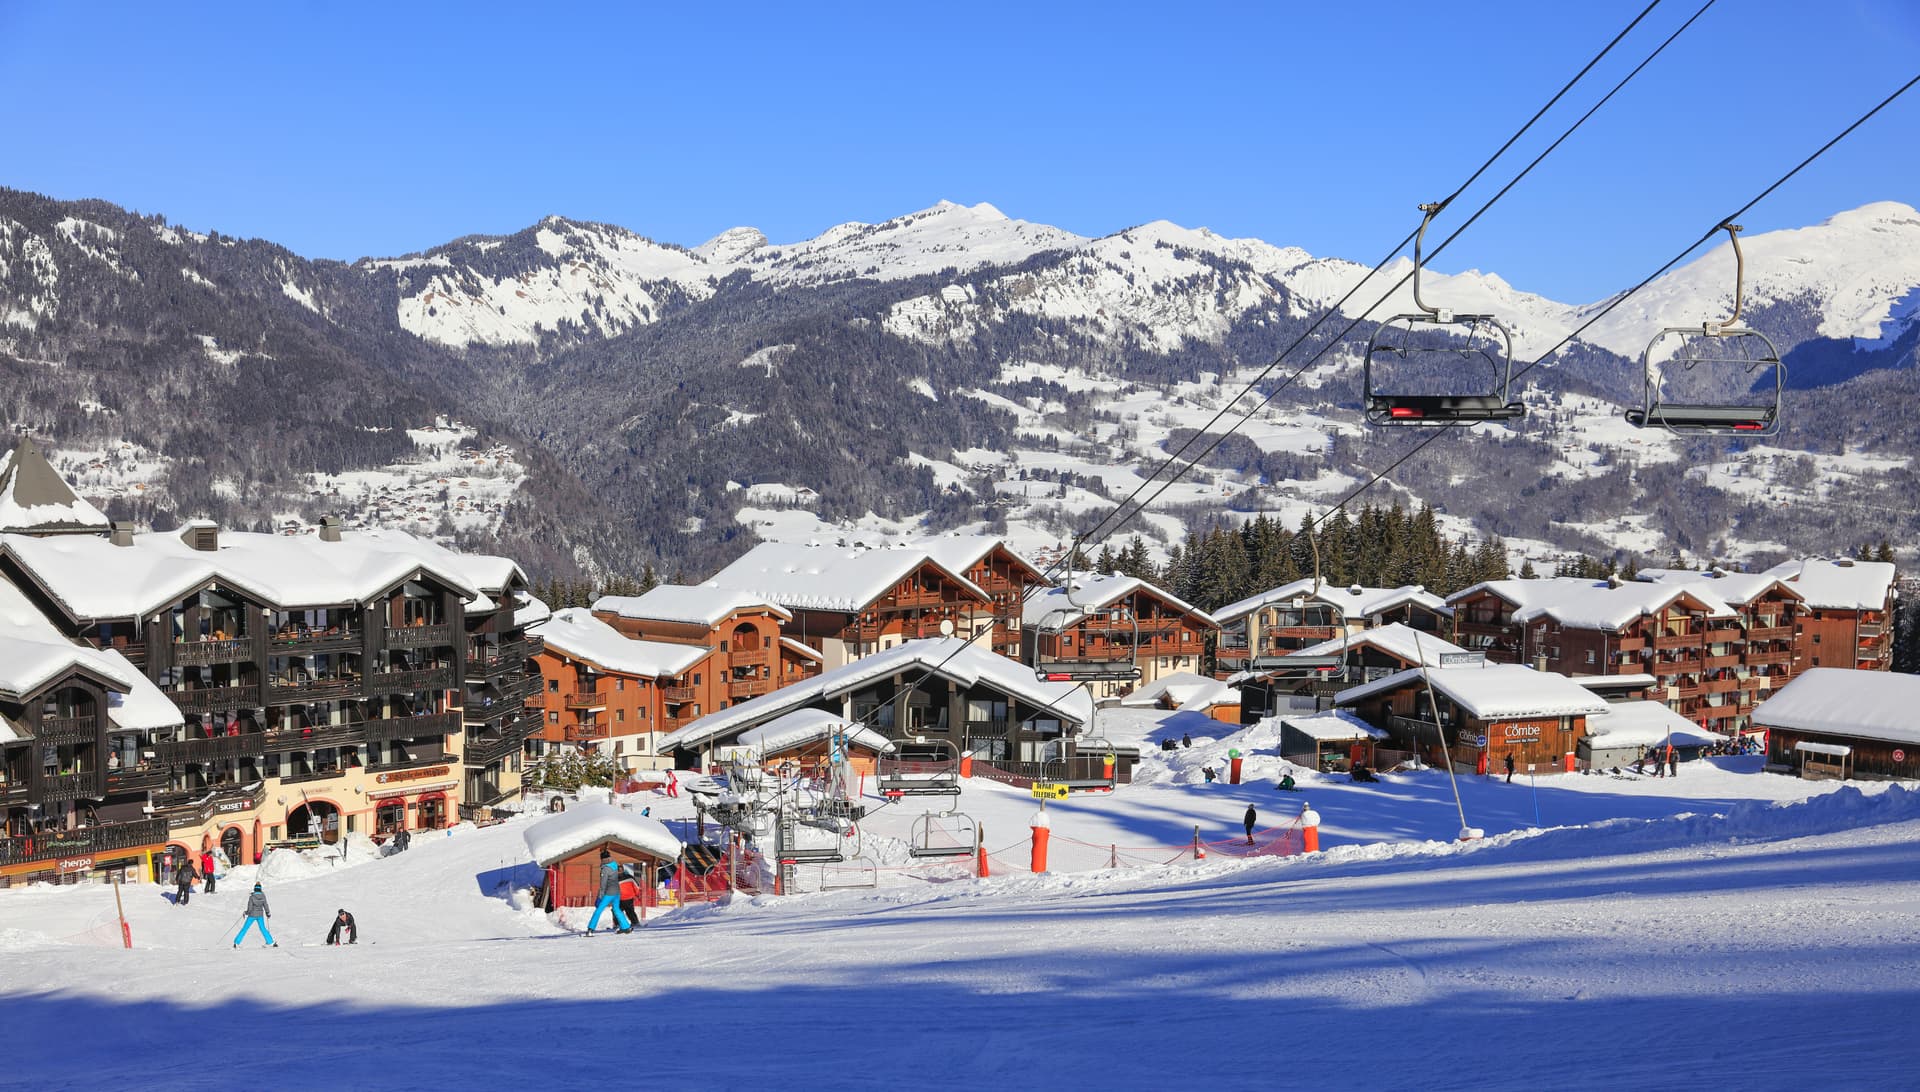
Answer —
1718 946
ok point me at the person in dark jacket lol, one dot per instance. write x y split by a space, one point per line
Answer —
1673 766
401 839
257 914
629 894
183 878
609 895
1251 818
1186 740
1509 767
206 868
343 922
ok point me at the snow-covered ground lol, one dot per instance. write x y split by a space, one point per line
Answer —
1713 928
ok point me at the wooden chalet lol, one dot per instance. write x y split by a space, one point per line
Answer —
993 567
607 692
1294 616
1116 620
1844 723
1484 713
746 634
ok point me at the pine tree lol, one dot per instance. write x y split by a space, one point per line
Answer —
1527 571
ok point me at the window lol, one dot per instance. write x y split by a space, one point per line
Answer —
1589 655
553 686
619 684
696 678
620 715
553 718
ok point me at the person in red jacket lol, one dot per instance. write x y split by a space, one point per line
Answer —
206 868
629 894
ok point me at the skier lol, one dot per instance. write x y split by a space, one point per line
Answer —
609 895
1208 770
183 881
1286 783
629 894
206 868
1673 761
1248 820
257 914
1509 767
343 921
673 785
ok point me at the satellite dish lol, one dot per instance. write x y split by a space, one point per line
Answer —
946 627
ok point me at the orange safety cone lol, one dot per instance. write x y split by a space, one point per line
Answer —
1309 828
1042 830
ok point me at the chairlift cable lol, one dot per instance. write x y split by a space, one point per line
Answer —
1120 512
1718 226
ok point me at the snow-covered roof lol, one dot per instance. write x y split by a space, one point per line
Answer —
1839 585
1333 726
576 633
805 726
802 648
1397 639
1734 588
593 821
1644 724
1051 607
695 605
959 553
33 652
35 498
1843 701
1611 607
1355 601
948 657
143 708
1635 681
1186 690
835 578
1492 691
1526 593
93 578
529 610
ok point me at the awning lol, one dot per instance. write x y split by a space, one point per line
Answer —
410 790
1823 748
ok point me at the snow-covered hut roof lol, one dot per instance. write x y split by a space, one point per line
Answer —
1612 607
93 578
33 652
694 605
1355 601
1734 588
1185 690
801 648
1052 609
1528 592
1844 584
1333 726
35 499
593 821
1492 691
1639 680
962 552
834 578
576 633
1843 701
805 726
530 610
1397 639
946 657
1643 724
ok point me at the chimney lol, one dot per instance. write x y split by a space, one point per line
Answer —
121 534
201 534
1540 662
329 528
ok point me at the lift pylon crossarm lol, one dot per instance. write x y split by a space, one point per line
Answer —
1725 352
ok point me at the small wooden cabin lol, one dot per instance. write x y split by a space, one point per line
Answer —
568 845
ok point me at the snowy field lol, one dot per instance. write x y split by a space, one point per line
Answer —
1730 928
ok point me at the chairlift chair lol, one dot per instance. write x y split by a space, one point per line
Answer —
1466 346
918 767
946 834
1713 353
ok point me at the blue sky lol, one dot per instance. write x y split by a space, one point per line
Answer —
345 129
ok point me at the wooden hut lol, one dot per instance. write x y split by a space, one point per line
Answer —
1843 722
567 846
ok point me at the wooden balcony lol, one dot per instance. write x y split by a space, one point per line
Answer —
433 636
1715 663
67 729
915 597
1784 656
1631 644
1676 640
586 699
415 762
585 733
301 691
747 688
309 739
1720 686
1722 636
483 752
751 657
313 642
138 778
209 699
208 653
68 786
211 749
401 682
387 729
1688 666
1870 629
677 695
86 841
1687 693
1770 633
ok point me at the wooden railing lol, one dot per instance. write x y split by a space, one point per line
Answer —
314 640
67 786
419 636
1632 644
747 688
398 682
208 653
209 699
138 778
293 691
582 733
1770 633
1676 640
677 695
57 729
105 838
210 749
387 729
586 699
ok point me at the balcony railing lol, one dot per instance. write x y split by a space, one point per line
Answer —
1720 686
1632 644
138 778
309 739
586 699
1720 636
1871 629
415 762
1781 657
292 691
747 688
1676 640
60 729
211 749
387 729
1714 663
1770 633
210 699
314 641
484 752
582 733
677 695
419 636
1688 666
106 838
751 657
67 786
208 653
401 682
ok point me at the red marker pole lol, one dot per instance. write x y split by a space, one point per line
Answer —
1042 830
981 869
1309 829
126 931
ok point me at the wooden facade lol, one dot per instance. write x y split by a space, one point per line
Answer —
1142 626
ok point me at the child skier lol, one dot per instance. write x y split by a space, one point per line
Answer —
609 895
257 914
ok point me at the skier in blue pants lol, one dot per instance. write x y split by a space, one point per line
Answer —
609 895
257 914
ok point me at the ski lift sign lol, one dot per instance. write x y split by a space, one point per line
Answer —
1899 755
1049 790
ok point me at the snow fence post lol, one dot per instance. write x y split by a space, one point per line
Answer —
980 870
1233 774
1199 847
1309 828
1042 830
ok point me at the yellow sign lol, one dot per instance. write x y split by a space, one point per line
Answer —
1047 790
